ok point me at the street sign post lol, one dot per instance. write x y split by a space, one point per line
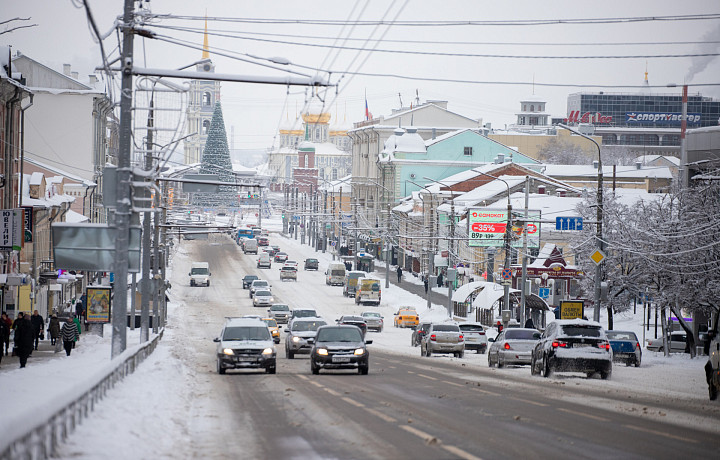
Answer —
544 292
598 256
569 223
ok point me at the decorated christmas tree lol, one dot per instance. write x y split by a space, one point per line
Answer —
216 160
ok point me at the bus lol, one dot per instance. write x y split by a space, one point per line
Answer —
243 232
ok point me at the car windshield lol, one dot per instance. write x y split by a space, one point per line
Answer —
304 326
199 271
312 261
371 315
337 334
353 318
471 328
575 330
304 313
280 308
250 278
619 335
246 333
263 293
446 328
521 334
270 322
258 284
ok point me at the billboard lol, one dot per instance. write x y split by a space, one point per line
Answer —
661 118
486 227
97 309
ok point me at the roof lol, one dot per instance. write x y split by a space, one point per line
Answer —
244 322
654 172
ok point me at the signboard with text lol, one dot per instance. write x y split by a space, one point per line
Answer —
571 309
661 118
486 227
98 305
6 228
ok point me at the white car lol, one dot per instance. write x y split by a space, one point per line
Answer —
263 298
259 284
475 338
291 263
676 341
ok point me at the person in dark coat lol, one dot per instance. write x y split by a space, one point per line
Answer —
425 281
54 329
440 280
24 335
6 319
69 334
529 324
399 274
38 324
4 334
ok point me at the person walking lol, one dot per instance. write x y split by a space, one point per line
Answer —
399 274
4 334
440 280
69 334
76 320
54 329
38 324
24 335
6 319
425 281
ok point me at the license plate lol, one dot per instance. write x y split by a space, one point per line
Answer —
582 345
245 359
341 359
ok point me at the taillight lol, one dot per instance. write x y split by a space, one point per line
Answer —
432 337
637 344
604 345
481 333
507 346
559 343
461 338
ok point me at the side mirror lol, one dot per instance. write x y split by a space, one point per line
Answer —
216 339
287 331
279 326
189 274
491 340
368 342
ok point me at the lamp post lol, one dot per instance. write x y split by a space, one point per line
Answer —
599 215
386 239
430 253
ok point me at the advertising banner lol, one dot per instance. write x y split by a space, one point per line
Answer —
486 228
98 305
661 118
6 228
571 310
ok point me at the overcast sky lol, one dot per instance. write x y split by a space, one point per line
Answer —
255 111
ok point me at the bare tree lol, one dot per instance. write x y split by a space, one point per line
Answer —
557 151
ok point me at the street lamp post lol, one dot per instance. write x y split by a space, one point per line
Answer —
430 253
386 239
599 215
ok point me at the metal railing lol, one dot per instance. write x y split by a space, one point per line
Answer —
42 440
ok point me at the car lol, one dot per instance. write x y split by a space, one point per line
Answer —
245 343
353 320
418 333
304 313
280 312
263 241
271 250
281 257
475 338
512 346
259 284
340 347
443 338
252 316
263 298
288 273
406 317
626 347
199 274
374 320
676 340
274 328
291 263
712 366
311 264
247 280
264 260
350 282
300 334
572 345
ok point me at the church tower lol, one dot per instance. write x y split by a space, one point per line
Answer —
201 104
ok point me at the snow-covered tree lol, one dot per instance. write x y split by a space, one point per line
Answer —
216 160
557 151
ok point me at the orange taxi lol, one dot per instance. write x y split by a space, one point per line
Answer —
406 317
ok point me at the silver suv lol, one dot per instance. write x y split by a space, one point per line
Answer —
443 338
259 285
300 335
245 343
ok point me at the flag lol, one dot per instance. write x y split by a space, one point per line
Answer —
368 115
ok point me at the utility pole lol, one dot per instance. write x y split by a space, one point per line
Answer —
122 213
145 294
525 252
508 229
388 253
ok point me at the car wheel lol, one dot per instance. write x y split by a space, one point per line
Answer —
289 354
713 391
500 364
208 283
220 369
637 363
380 330
533 366
490 362
271 370
461 354
314 368
605 375
363 370
547 369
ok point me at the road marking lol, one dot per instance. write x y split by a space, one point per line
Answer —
317 384
418 433
530 402
331 391
486 392
426 377
581 414
304 377
453 383
353 402
661 433
460 453
379 414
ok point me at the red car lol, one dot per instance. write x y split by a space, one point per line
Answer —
262 241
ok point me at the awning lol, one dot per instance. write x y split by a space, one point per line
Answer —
464 291
489 295
532 301
55 287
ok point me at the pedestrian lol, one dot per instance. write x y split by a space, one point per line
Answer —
529 323
24 335
399 274
76 320
425 281
6 319
38 327
69 334
4 334
19 318
54 329
440 280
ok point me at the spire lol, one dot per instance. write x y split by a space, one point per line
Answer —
206 47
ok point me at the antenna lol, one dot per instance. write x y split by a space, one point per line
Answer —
400 97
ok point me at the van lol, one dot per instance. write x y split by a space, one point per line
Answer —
368 291
335 274
264 260
199 274
250 246
351 281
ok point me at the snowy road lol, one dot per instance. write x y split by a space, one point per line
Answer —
177 406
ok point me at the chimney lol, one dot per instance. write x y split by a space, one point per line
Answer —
311 159
501 158
75 75
93 78
434 132
301 159
66 69
541 189
596 164
638 165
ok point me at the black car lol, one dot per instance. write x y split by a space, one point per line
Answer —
352 320
311 264
339 347
248 279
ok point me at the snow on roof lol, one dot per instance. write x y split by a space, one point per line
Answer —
43 202
471 173
404 141
485 193
655 172
75 217
59 171
645 159
36 178
240 169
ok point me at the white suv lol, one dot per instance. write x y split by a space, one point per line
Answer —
258 285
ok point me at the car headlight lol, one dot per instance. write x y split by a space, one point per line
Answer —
267 351
296 339
228 351
271 299
359 351
322 351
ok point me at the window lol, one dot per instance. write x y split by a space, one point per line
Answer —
532 108
468 151
206 126
207 98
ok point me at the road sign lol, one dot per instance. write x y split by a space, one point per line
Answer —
506 274
332 243
571 310
544 292
569 223
597 257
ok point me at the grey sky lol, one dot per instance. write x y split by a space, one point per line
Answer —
255 111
